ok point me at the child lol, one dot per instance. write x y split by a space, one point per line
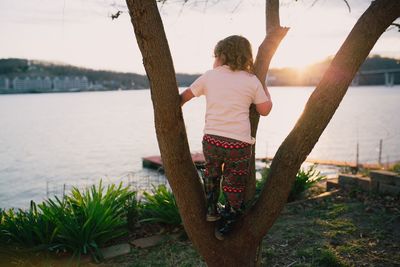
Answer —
230 88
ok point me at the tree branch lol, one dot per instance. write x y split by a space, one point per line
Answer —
272 15
396 25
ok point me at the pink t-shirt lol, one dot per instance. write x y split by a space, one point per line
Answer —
229 95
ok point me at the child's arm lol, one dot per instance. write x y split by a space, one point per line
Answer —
264 108
263 101
186 96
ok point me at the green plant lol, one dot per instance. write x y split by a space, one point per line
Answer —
260 183
87 220
160 207
328 258
81 222
27 228
396 167
305 179
132 211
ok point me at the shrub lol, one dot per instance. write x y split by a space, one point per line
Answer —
81 222
132 211
305 179
160 207
27 228
87 220
396 168
260 183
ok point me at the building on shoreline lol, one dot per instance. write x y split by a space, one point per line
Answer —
32 83
4 83
22 84
70 83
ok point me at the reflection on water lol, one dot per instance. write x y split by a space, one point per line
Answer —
47 140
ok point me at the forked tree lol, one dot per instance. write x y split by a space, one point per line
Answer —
240 248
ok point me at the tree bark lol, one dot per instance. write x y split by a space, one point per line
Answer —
239 249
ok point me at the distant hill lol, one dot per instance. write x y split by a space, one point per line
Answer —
96 80
312 74
13 67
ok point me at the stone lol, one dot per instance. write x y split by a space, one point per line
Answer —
374 186
147 242
347 181
389 189
332 184
364 183
385 177
116 250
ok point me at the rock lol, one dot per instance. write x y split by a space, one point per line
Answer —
389 189
347 181
116 250
147 242
332 184
364 183
369 210
385 177
336 242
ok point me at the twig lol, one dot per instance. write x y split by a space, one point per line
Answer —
396 25
345 1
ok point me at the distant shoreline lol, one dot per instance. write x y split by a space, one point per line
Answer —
19 76
139 89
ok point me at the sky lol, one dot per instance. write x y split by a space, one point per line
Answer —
82 33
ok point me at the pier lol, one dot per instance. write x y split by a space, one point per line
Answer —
388 75
155 162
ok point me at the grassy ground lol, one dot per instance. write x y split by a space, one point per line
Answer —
346 229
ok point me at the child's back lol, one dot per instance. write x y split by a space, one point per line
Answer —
230 88
229 95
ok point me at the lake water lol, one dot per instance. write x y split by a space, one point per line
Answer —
48 140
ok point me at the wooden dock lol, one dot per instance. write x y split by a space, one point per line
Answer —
338 163
155 162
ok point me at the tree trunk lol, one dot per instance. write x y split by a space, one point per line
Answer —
240 248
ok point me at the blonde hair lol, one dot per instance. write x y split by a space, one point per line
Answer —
235 51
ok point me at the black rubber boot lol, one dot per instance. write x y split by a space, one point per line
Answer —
212 191
229 217
212 207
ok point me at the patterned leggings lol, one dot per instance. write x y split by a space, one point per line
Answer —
229 159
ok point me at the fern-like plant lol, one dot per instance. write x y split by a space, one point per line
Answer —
87 220
160 207
305 179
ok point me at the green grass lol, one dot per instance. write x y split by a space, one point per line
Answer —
328 258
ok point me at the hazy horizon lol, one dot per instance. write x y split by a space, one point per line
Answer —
189 73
